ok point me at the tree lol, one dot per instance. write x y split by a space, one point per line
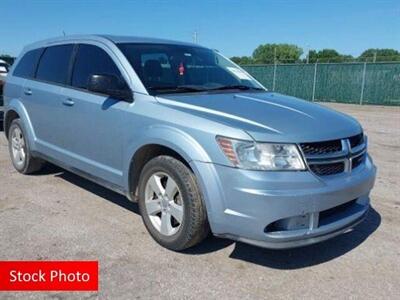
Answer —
327 55
269 53
380 55
242 60
7 58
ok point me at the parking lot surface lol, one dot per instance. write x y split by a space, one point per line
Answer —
55 215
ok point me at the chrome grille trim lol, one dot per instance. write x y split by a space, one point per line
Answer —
345 156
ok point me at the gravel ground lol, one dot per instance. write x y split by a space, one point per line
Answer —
56 215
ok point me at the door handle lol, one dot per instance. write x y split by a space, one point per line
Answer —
28 92
68 102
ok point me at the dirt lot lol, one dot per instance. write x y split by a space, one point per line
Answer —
56 215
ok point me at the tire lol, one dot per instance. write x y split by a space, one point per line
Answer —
186 198
24 163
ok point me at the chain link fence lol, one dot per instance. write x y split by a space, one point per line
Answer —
358 83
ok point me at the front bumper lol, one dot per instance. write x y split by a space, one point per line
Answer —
283 209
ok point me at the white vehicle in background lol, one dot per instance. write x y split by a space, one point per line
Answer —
4 67
3 71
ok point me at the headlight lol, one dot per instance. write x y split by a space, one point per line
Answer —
261 156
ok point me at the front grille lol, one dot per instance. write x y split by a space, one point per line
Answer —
357 161
327 169
326 216
334 156
320 148
356 140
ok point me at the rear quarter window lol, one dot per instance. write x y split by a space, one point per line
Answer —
27 65
54 64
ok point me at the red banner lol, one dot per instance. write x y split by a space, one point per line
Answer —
49 276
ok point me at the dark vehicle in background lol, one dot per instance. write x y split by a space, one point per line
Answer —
3 73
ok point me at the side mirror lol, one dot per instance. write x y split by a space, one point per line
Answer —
111 86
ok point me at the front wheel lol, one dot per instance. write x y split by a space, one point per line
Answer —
171 204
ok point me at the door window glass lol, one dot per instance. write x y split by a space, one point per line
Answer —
54 64
92 60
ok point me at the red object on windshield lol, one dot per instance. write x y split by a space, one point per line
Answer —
181 69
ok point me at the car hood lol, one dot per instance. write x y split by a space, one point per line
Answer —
268 116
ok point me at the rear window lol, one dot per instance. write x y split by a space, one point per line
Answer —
54 64
27 65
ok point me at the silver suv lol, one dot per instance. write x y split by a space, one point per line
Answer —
198 142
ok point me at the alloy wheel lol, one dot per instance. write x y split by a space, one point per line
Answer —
163 202
18 147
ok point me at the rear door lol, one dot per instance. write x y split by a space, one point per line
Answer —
43 100
24 70
94 129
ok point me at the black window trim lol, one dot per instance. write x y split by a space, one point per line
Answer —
43 50
72 64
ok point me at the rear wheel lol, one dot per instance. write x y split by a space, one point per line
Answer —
18 147
171 204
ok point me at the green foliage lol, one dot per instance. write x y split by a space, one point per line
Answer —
289 53
270 53
328 55
242 60
379 55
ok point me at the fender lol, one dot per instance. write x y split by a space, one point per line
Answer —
167 136
17 106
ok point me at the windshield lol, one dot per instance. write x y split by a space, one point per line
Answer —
165 68
3 68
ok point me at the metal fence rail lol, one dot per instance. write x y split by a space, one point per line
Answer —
361 83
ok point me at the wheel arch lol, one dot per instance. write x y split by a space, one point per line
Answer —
10 116
142 156
16 109
160 140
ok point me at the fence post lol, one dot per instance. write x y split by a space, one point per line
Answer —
274 78
363 83
314 81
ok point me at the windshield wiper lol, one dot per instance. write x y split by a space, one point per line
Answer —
179 88
192 88
236 87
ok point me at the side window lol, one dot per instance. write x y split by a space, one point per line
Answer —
92 60
27 65
53 65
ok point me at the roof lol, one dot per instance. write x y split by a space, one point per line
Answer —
137 39
107 39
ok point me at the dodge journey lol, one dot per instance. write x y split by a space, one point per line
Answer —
199 143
